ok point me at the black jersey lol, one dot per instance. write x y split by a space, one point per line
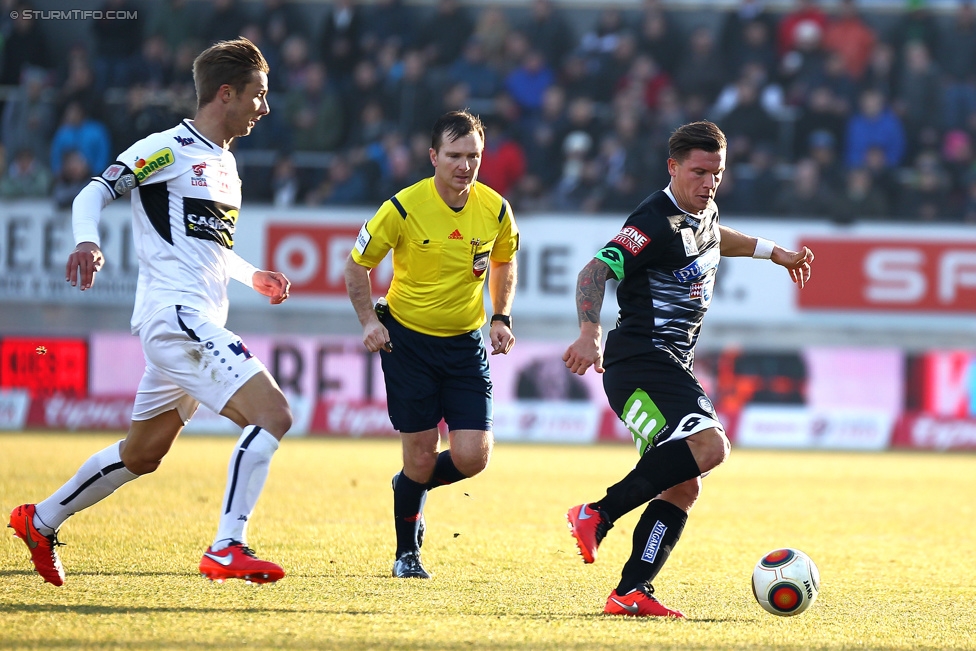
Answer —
666 261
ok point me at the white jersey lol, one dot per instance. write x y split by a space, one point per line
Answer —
186 195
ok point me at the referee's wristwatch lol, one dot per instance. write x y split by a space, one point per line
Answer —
504 318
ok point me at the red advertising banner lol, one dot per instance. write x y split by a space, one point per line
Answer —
313 257
44 366
923 432
892 275
96 413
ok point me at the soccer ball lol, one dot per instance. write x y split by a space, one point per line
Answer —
785 582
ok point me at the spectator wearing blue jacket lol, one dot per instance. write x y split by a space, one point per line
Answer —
79 132
527 83
876 125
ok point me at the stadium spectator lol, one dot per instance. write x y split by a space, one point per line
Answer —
410 94
645 80
286 184
823 112
345 184
25 45
28 116
491 30
443 35
339 40
315 113
747 34
503 160
748 124
659 37
860 200
73 175
647 368
805 19
805 65
806 195
26 178
701 71
78 131
755 186
826 154
874 125
364 88
448 234
956 58
926 190
915 24
180 310
117 45
848 35
880 73
177 22
77 84
551 33
473 69
528 82
919 99
388 22
295 63
225 22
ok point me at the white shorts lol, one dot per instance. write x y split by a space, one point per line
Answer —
190 361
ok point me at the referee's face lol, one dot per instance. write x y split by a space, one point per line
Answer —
456 163
695 180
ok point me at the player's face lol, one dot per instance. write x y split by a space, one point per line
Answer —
249 106
695 180
456 163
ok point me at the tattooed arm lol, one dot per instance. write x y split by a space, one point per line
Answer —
591 287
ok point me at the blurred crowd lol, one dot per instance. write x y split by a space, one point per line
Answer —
831 112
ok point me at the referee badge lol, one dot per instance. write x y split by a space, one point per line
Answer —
480 263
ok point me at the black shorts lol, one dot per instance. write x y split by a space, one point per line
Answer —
657 399
429 378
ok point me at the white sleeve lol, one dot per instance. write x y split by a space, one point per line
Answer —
86 211
240 269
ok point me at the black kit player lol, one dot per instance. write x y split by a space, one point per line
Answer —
185 196
448 233
665 257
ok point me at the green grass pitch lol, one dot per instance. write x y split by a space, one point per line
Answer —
892 533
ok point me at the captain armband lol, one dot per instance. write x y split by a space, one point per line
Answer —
614 259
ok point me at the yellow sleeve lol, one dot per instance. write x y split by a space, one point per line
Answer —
377 236
507 242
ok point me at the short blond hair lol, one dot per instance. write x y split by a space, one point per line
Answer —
231 62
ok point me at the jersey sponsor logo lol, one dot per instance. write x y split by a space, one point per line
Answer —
146 167
125 183
113 172
362 240
643 418
480 264
699 267
198 183
632 239
184 141
693 423
456 235
204 219
654 542
199 168
688 240
697 290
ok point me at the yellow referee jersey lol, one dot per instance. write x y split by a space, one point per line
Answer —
440 257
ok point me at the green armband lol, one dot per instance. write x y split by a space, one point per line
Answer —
612 256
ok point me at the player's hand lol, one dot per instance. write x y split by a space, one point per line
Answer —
376 337
273 284
582 354
501 338
83 263
796 262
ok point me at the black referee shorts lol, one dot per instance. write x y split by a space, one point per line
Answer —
429 378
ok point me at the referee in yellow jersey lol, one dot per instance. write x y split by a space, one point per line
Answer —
448 233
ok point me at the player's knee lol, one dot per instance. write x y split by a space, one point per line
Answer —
140 463
711 448
685 494
277 421
471 461
419 464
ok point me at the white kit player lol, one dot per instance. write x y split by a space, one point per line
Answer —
185 194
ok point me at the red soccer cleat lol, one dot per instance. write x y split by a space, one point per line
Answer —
237 561
43 549
589 527
639 602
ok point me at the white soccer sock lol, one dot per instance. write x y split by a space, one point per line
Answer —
246 474
97 478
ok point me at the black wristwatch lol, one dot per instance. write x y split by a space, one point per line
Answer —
504 318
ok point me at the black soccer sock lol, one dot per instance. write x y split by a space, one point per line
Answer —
445 472
658 470
655 535
408 505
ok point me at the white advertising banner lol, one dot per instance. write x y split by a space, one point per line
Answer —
14 404
768 426
863 271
